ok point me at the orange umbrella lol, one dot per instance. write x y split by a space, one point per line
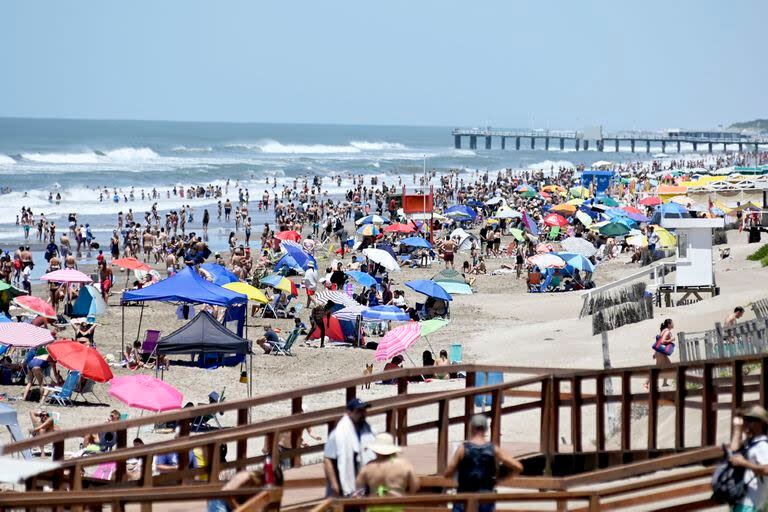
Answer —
131 264
81 358
564 209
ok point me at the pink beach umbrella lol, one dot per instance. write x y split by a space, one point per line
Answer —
547 260
17 334
398 340
35 305
145 392
67 275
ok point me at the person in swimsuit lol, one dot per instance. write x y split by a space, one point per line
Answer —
449 249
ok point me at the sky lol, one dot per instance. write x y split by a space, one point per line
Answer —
556 64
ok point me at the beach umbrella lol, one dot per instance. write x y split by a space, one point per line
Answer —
528 194
553 189
650 201
219 274
683 200
386 314
575 202
130 264
614 229
81 358
584 218
428 327
632 209
397 341
145 392
496 200
544 248
67 275
368 230
579 246
287 262
465 211
608 201
547 260
458 216
281 283
553 219
579 192
455 288
564 209
637 240
673 209
350 313
16 334
297 252
15 470
362 278
337 297
399 227
525 188
90 303
517 234
249 291
416 241
530 224
290 234
577 261
429 288
372 219
383 258
505 212
4 319
36 306
666 239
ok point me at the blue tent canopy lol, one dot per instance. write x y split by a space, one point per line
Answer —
221 275
187 287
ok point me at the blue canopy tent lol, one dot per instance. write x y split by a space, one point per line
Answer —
186 287
416 241
669 211
601 179
220 275
299 255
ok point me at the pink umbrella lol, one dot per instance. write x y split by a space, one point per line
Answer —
36 305
67 275
547 260
398 340
17 334
145 392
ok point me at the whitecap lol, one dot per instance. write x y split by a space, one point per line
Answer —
365 145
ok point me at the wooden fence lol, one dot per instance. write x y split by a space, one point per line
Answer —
744 338
760 308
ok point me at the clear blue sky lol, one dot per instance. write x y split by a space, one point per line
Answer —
556 64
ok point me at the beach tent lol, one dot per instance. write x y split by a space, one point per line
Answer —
185 287
669 211
336 330
464 239
89 302
298 253
203 335
600 179
219 275
286 264
10 420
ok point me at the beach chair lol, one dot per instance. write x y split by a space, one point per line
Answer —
270 307
284 349
104 471
534 282
454 354
63 395
87 388
202 421
281 310
149 345
487 379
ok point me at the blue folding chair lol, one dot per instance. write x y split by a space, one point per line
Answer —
63 395
454 355
487 379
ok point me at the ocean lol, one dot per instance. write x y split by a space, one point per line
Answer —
76 158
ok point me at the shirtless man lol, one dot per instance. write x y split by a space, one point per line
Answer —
26 257
449 250
147 239
731 319
170 264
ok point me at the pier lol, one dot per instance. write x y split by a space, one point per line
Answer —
636 141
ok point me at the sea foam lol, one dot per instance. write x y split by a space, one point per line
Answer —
6 160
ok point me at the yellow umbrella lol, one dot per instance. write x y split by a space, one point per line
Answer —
251 292
666 239
581 192
575 202
638 240
564 209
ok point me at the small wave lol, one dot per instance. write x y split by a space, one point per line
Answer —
547 165
131 154
92 157
365 145
278 148
185 149
6 160
463 152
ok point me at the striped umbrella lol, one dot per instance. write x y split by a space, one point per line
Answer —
368 230
350 312
397 341
17 334
336 297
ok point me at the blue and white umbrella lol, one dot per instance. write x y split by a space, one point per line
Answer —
577 261
429 288
416 241
362 278
372 219
386 313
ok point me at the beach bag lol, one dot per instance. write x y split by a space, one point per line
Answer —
728 485
659 347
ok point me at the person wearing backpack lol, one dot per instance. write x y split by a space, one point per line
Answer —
749 450
476 462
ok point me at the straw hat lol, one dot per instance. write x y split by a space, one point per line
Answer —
384 444
757 413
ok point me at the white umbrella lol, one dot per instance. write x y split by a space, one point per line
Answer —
505 212
579 246
383 258
496 200
16 471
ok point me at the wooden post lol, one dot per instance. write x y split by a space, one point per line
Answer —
122 442
351 393
576 403
296 437
764 381
737 386
708 403
600 413
402 414
680 393
545 439
653 407
626 411
443 422
469 401
496 396
242 444
214 462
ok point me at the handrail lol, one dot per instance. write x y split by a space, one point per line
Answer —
645 271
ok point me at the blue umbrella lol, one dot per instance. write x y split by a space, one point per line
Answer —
416 241
301 256
361 277
461 209
221 275
577 261
429 288
288 261
386 313
672 208
4 319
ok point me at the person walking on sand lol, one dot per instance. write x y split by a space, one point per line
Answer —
663 340
476 462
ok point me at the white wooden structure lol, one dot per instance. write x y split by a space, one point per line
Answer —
694 260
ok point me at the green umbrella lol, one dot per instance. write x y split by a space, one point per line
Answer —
430 326
608 201
529 194
517 233
614 229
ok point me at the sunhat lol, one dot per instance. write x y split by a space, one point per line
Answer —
756 412
384 444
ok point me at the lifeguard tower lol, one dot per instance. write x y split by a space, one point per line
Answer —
693 260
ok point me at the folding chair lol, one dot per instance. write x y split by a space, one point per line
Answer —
284 349
270 306
149 345
63 395
213 398
87 388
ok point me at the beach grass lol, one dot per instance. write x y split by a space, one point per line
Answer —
759 255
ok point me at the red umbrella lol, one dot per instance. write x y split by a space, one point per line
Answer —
650 201
399 228
632 209
292 235
36 305
553 219
81 358
131 264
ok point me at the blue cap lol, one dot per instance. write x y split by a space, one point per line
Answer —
356 404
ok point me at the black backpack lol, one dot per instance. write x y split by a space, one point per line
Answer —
728 484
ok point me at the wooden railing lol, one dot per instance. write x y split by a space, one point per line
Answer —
760 308
744 338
